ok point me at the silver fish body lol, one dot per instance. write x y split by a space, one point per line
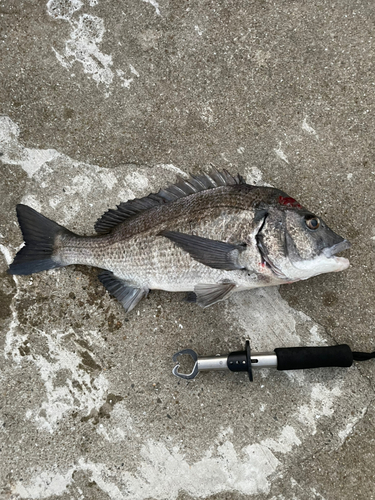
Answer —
212 235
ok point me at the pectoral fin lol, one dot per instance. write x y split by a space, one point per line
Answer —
212 253
210 294
127 294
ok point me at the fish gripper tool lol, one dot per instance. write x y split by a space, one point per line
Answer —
282 358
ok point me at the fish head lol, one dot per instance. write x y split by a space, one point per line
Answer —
295 244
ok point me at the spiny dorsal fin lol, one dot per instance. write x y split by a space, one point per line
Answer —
182 188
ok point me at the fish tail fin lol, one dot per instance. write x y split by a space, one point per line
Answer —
39 234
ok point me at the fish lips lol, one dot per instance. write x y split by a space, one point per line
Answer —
335 249
340 262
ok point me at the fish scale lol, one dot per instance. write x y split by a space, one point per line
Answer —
148 258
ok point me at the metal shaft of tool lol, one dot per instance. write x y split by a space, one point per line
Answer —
260 360
212 363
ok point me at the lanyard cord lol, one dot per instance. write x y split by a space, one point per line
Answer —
363 356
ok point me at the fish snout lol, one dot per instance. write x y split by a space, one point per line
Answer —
337 248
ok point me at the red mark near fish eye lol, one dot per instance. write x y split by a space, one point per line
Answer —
289 202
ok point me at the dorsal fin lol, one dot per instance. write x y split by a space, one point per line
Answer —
182 188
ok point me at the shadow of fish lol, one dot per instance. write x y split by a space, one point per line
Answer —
211 234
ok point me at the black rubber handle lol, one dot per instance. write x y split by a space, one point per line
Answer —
297 358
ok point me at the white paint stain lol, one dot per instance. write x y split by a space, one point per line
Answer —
120 426
280 153
321 405
349 176
162 473
225 158
307 128
63 9
45 484
133 70
80 391
240 150
7 255
172 168
344 433
137 180
125 82
83 46
155 4
316 338
31 160
254 176
286 441
13 338
198 30
207 115
81 183
317 494
296 376
109 179
268 319
30 200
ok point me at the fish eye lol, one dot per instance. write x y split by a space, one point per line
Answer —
312 223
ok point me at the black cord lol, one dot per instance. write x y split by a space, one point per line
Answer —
363 356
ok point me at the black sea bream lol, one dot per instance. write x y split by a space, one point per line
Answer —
212 235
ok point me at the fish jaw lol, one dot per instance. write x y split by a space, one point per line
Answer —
342 263
326 262
321 264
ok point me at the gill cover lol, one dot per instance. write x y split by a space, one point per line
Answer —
295 249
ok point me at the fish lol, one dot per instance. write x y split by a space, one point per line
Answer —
211 235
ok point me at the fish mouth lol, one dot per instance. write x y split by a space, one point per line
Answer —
331 252
334 249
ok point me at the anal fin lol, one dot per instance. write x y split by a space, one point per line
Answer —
127 294
210 294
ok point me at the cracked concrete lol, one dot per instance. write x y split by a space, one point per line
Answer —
104 102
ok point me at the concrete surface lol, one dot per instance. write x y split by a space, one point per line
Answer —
103 101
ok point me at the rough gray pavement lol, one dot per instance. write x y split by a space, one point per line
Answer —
104 101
